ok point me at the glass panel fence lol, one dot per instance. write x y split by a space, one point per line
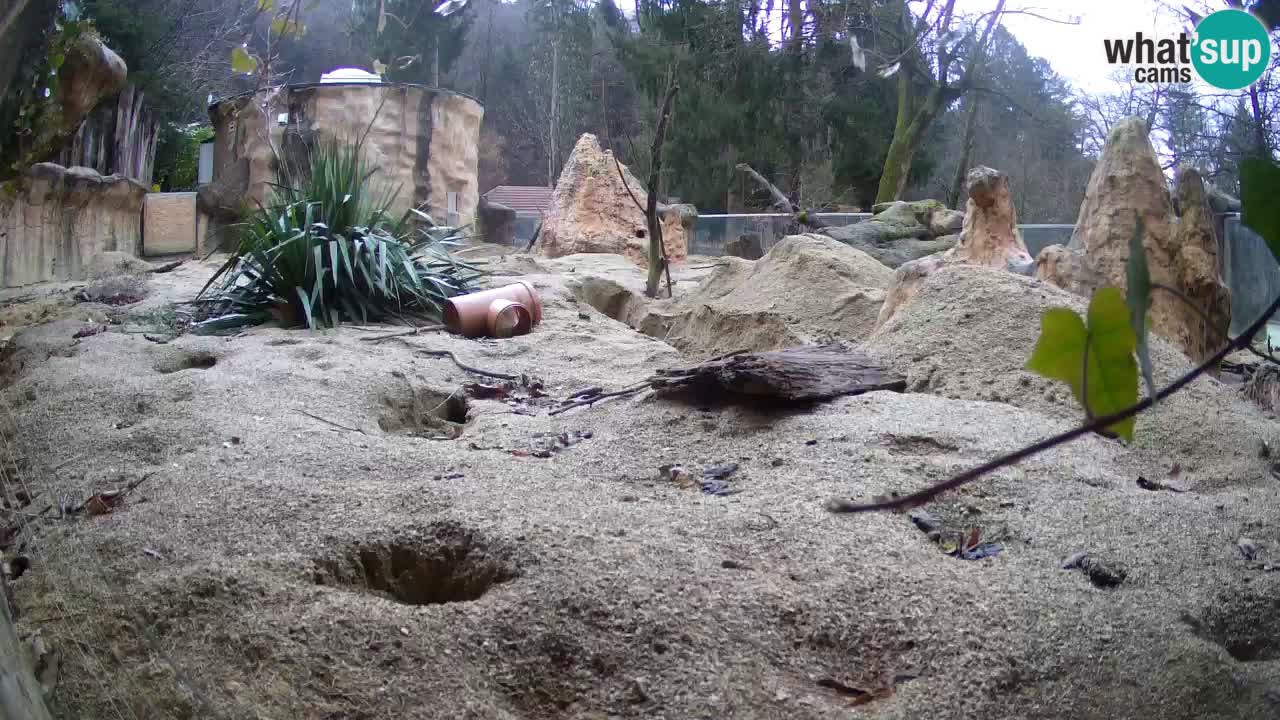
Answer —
711 232
1251 273
1247 265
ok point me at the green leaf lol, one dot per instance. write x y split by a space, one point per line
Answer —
1111 378
242 62
265 5
1138 298
1259 187
284 25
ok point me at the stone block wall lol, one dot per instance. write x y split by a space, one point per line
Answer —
169 223
54 220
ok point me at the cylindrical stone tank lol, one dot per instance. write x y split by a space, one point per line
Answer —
421 140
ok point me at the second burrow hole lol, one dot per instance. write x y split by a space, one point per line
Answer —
423 411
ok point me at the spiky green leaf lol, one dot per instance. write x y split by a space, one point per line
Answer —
1260 209
1108 382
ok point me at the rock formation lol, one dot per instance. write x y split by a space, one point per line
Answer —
989 237
90 73
593 212
60 218
902 231
1182 252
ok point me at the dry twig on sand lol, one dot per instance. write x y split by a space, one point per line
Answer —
403 333
330 422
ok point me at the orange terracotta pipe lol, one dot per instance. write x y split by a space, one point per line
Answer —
469 315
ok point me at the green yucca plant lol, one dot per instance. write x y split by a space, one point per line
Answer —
327 250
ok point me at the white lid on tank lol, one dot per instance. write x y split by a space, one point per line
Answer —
350 75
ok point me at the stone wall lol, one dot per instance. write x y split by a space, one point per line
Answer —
422 140
169 224
53 220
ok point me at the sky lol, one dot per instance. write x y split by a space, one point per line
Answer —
1076 51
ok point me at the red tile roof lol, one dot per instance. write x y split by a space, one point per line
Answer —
521 198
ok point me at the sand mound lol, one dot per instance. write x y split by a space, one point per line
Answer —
807 289
969 332
293 555
115 262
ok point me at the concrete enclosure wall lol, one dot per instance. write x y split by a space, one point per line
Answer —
422 141
53 220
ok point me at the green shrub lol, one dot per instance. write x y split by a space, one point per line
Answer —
327 250
177 164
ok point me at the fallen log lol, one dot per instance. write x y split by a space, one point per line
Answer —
793 375
803 374
780 201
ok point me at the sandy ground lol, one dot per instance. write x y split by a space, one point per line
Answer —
274 565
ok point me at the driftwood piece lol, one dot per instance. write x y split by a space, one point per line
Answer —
780 201
794 375
803 374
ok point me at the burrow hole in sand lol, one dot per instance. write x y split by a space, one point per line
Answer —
423 412
179 360
447 564
1247 627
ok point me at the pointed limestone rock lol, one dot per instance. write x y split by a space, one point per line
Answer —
989 237
593 212
1182 253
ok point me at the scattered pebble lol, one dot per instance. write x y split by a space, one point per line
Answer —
925 520
717 488
811 443
639 693
1103 574
778 462
1075 561
719 472
1248 548
731 565
1153 485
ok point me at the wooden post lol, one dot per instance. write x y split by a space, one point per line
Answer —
20 694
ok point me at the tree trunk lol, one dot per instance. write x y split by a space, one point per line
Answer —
488 58
907 137
1259 132
555 109
657 252
966 154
